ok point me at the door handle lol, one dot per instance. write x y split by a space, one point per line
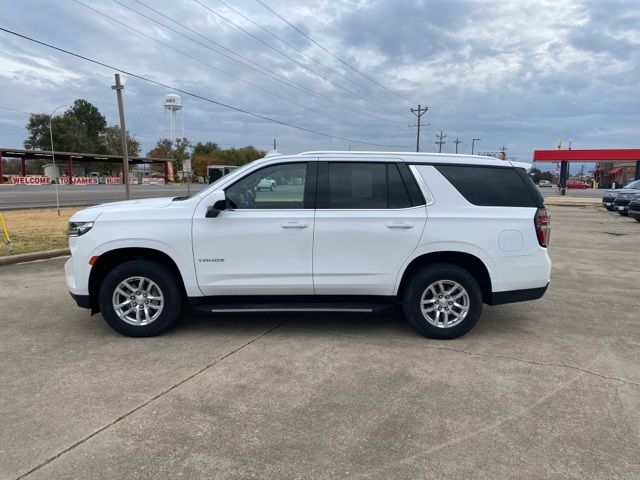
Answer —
399 225
294 225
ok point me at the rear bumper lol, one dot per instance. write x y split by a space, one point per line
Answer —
513 296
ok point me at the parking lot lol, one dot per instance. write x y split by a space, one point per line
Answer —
545 389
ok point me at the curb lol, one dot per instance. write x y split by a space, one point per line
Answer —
30 257
572 202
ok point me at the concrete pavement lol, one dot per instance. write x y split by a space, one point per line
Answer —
545 389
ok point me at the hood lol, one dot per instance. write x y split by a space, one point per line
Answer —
621 190
91 213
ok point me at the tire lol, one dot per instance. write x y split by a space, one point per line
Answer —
637 219
161 288
422 284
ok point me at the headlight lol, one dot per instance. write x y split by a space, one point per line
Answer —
78 228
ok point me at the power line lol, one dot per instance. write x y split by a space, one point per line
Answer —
267 72
289 44
331 53
14 110
293 59
191 94
203 62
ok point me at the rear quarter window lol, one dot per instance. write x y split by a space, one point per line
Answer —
491 186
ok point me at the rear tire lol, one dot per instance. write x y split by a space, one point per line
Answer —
140 298
430 302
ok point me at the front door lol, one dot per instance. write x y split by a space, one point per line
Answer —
367 224
262 243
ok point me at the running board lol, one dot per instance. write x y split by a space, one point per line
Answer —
289 307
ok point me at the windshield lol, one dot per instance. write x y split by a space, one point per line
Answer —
634 184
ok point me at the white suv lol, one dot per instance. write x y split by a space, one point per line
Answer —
344 231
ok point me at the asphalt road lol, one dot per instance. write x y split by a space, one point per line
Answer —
36 196
538 390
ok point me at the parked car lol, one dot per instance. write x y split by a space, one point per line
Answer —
266 184
634 207
440 235
621 203
576 184
609 196
545 183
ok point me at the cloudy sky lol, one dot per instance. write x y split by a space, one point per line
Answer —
519 73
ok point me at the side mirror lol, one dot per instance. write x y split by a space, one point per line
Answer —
214 211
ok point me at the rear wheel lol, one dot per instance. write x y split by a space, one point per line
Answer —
140 298
443 301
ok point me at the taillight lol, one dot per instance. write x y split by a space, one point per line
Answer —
542 221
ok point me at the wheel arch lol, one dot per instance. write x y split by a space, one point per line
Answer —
107 261
474 265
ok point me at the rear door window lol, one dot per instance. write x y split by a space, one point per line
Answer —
357 185
489 186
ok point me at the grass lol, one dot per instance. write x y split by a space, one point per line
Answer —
36 230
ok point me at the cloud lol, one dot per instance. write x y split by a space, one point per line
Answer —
521 73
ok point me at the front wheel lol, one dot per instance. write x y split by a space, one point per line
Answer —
443 301
140 298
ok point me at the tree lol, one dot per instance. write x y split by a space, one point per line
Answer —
89 116
177 152
205 148
78 129
111 141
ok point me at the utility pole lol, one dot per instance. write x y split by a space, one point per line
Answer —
440 141
457 142
473 144
503 153
118 87
418 112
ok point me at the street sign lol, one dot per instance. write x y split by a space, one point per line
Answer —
186 165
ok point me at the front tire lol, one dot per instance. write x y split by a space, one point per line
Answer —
140 298
443 301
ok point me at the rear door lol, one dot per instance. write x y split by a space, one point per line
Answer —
370 216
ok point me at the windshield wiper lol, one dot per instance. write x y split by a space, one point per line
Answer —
179 199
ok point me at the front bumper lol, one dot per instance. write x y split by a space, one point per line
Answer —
634 211
83 301
621 206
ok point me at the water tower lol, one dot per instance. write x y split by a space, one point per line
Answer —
173 103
